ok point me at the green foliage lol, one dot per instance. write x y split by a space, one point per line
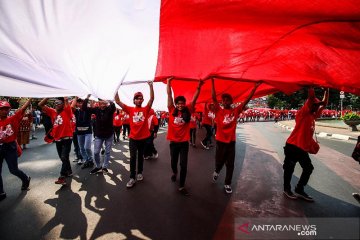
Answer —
350 116
297 99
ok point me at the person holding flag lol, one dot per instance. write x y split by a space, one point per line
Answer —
226 119
179 133
301 142
9 128
139 132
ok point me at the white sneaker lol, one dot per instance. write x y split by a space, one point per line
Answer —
215 176
139 177
155 156
131 183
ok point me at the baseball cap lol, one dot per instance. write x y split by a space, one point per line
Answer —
138 94
4 104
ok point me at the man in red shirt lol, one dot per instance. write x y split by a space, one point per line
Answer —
62 133
139 132
125 124
117 122
9 127
226 119
179 132
208 123
301 142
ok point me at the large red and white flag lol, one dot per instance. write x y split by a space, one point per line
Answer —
57 48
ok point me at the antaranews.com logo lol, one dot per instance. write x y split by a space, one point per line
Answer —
297 228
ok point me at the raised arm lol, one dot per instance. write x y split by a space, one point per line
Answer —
43 102
168 90
250 95
326 97
66 102
117 100
196 95
73 103
151 100
26 104
324 102
213 92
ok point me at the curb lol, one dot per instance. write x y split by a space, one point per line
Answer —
322 134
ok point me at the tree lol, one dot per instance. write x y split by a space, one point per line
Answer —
297 99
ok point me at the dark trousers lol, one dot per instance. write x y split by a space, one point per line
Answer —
293 154
63 148
193 135
150 149
136 152
126 128
117 130
8 151
207 140
76 147
225 154
179 149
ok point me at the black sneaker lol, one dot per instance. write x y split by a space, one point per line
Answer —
302 194
95 170
102 152
289 194
215 176
228 189
2 196
85 165
183 191
25 185
105 171
356 196
173 178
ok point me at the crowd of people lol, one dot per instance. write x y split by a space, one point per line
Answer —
88 125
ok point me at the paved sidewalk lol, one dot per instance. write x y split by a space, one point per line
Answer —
326 130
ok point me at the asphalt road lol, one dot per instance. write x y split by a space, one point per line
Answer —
100 207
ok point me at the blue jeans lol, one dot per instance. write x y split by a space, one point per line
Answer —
84 141
9 153
97 148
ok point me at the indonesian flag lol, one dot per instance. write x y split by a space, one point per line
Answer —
76 47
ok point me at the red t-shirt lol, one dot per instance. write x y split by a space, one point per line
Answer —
152 122
208 117
125 118
193 120
73 121
9 127
117 121
138 117
62 123
226 120
178 130
302 135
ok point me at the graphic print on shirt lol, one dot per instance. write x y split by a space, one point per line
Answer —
211 115
228 118
58 120
179 120
138 117
6 131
